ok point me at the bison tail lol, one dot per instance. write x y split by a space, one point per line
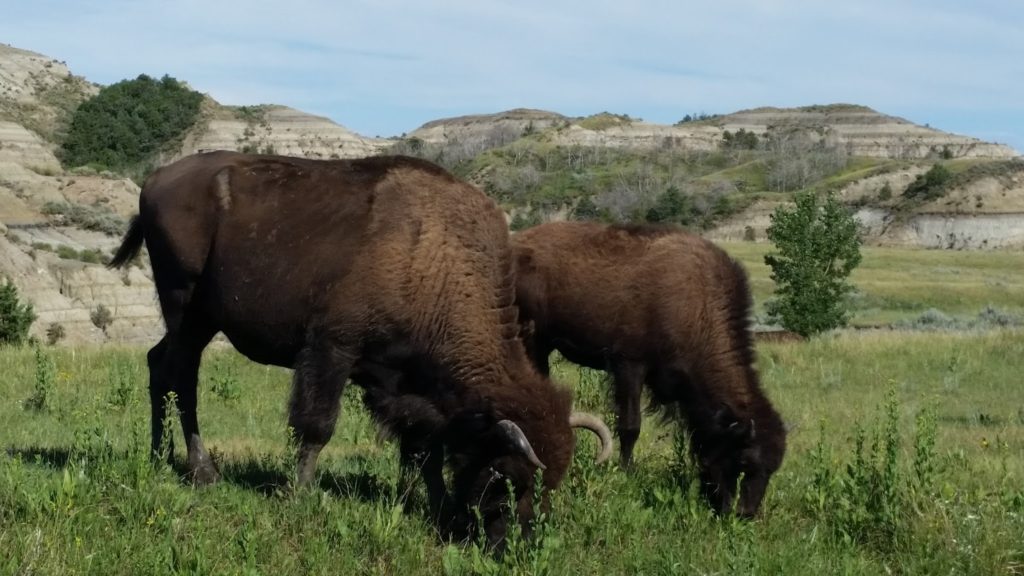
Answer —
130 246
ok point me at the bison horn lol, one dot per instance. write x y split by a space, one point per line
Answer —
515 436
597 426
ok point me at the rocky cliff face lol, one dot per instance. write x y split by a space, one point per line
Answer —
860 130
274 129
864 132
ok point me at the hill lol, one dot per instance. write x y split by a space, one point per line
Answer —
721 174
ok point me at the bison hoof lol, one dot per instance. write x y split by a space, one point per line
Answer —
204 475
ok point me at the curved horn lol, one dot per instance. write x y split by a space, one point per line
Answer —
517 439
597 426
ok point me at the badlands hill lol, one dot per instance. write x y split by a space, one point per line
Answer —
59 223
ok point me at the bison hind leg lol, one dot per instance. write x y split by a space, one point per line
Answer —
321 372
174 367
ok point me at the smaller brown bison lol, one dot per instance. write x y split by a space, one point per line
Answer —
665 308
388 270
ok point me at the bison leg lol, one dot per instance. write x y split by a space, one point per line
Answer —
429 461
174 367
320 376
629 379
158 390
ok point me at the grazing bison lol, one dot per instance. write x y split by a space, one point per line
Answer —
385 269
659 306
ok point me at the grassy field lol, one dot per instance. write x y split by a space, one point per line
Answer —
907 456
936 487
901 284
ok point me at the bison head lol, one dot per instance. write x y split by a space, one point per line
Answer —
744 453
495 464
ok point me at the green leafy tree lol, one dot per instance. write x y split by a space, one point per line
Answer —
818 243
16 317
930 185
671 206
127 123
586 210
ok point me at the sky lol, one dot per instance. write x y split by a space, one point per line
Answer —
385 67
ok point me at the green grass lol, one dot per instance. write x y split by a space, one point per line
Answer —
752 174
859 168
898 284
78 495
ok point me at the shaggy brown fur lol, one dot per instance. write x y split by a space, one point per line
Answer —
659 306
387 269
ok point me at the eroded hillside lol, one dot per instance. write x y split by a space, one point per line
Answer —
720 174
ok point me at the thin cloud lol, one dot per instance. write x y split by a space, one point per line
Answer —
386 66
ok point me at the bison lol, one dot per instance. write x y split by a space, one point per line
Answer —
385 269
665 308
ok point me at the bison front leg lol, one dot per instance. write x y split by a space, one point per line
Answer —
428 460
629 379
320 376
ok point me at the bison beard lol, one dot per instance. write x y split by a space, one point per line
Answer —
388 270
661 307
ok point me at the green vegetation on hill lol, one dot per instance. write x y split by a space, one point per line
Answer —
128 123
533 177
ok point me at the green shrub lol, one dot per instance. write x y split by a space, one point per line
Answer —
818 247
886 191
101 317
54 333
46 376
97 218
523 221
672 207
122 384
930 185
16 317
865 501
741 140
224 382
129 122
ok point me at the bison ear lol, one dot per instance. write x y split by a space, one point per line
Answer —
727 422
469 425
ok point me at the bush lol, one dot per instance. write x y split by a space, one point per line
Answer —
54 333
819 246
930 185
523 221
42 393
95 218
886 191
128 123
741 140
16 317
101 317
672 207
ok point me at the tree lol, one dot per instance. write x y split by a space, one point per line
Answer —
671 206
818 244
15 317
127 123
931 184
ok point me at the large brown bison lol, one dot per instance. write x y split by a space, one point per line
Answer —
385 269
660 306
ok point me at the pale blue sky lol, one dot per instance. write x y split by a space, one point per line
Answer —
384 67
